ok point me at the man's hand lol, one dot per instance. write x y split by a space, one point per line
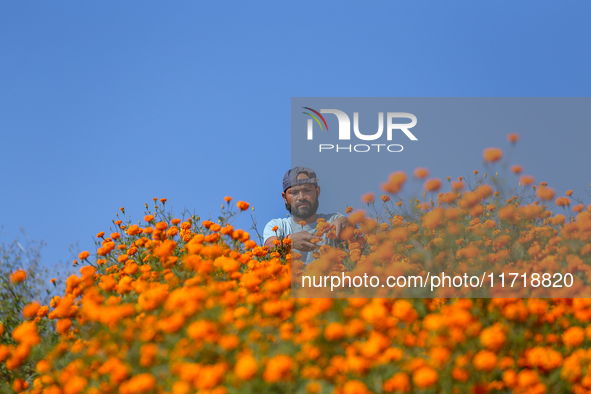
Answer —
302 241
340 224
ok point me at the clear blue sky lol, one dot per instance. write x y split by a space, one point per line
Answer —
108 104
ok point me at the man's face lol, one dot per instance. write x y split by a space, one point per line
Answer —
302 200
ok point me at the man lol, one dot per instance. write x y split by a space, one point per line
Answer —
300 195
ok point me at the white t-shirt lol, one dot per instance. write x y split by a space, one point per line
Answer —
287 226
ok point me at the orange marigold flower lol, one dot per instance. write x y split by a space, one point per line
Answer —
43 311
368 197
75 385
101 234
278 368
355 387
421 173
578 208
432 185
545 193
246 367
485 360
492 155
492 337
457 185
334 331
242 205
18 276
148 218
395 182
573 336
399 382
385 198
163 200
349 210
527 180
569 193
142 383
227 199
83 255
516 169
161 226
63 325
43 366
513 137
558 219
562 201
30 311
424 377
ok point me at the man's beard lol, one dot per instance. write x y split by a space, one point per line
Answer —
305 212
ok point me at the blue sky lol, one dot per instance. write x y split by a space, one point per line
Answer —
104 105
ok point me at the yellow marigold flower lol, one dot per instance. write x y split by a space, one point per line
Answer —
18 276
492 155
421 173
246 367
432 185
424 377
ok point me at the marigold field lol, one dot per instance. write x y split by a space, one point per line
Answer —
180 305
